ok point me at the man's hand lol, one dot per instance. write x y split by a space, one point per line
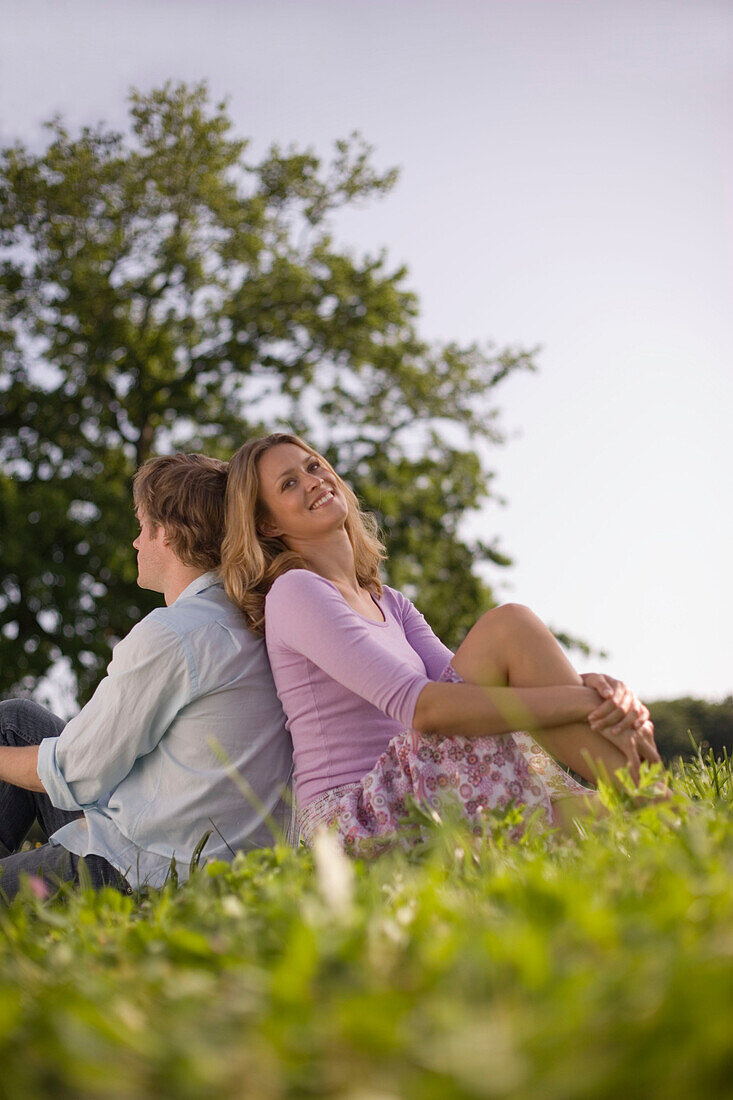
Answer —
623 719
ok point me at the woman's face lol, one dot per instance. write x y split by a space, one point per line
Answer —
299 494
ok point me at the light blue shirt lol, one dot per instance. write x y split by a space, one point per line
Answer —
188 690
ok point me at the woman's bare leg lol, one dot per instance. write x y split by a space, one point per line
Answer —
573 809
510 647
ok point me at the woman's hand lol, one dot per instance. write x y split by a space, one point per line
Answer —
623 719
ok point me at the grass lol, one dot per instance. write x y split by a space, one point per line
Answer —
594 966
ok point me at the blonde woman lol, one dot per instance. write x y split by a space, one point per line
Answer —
378 708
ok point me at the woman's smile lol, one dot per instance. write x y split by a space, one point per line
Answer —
324 498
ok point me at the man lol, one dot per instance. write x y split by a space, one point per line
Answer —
185 734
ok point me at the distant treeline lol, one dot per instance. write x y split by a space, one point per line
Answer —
709 723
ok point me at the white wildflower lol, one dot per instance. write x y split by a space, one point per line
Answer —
232 906
334 873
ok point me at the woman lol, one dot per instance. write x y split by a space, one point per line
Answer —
378 708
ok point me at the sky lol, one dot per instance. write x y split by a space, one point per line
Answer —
566 171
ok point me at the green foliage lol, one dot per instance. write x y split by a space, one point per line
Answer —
681 724
159 290
590 966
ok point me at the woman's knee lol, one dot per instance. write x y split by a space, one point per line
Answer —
511 617
509 631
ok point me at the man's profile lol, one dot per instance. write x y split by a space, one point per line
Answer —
143 772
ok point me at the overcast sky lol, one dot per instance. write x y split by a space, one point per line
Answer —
566 182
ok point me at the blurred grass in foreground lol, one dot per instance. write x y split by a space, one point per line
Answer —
598 966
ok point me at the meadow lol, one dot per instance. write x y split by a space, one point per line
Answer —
594 965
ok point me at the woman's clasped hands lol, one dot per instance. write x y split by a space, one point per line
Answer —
623 719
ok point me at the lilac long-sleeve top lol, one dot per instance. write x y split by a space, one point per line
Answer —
347 684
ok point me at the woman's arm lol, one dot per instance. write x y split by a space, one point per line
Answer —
475 711
306 614
423 639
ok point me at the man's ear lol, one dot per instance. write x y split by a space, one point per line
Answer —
164 534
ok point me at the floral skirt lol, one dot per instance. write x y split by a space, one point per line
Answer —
478 773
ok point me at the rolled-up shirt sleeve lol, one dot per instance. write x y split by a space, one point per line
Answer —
148 681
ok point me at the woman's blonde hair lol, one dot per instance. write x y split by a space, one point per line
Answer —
251 562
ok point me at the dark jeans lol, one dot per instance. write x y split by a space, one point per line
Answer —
25 723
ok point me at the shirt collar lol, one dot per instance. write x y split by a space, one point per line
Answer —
199 584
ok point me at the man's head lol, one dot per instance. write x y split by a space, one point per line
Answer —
179 502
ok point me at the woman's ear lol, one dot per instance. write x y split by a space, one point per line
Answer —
269 530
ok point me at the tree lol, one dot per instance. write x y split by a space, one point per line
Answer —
158 291
680 724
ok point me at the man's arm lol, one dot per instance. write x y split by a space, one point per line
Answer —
18 765
147 683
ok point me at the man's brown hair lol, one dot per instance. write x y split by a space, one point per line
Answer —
184 494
